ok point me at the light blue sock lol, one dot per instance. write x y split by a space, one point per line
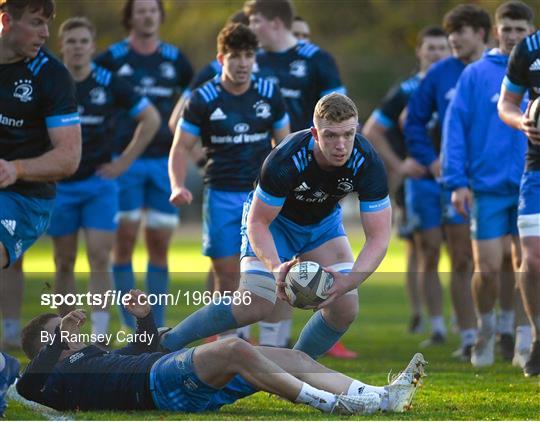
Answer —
317 337
207 321
124 281
157 284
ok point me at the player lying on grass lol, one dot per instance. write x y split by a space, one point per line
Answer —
76 376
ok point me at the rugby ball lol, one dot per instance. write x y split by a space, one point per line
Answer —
306 284
534 111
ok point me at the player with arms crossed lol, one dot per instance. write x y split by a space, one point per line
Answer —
159 71
238 118
89 198
482 164
294 212
523 75
40 135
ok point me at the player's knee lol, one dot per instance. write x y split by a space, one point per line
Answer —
461 262
342 316
239 350
65 260
532 261
99 259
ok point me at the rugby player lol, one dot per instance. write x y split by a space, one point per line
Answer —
40 135
300 29
89 198
159 71
66 374
468 27
239 119
523 75
304 73
294 212
384 130
482 164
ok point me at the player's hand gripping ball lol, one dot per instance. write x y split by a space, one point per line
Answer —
534 112
306 285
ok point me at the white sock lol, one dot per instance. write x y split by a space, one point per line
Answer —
505 324
523 337
467 336
100 322
269 333
437 325
284 332
11 328
486 322
357 388
319 399
2 362
244 332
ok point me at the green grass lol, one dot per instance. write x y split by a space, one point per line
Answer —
452 390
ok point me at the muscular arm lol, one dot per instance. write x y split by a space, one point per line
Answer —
60 162
378 230
376 133
259 219
178 160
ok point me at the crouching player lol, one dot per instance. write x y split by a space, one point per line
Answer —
72 375
294 212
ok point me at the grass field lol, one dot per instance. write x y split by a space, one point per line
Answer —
452 390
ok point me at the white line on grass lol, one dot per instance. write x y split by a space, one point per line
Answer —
50 414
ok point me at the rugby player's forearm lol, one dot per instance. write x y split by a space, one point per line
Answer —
511 114
263 245
178 165
54 165
370 258
144 133
375 134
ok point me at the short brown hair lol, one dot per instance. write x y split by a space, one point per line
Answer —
514 10
16 8
335 108
429 31
271 9
239 17
31 334
467 15
236 37
127 13
77 22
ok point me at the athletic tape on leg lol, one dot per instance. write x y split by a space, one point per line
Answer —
258 280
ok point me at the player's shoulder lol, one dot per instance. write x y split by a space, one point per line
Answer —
208 91
295 148
169 51
363 145
47 65
443 66
119 50
310 51
265 87
530 45
409 85
103 76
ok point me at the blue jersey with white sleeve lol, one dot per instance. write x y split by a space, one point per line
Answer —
160 76
236 130
523 75
291 178
101 95
304 74
433 95
35 95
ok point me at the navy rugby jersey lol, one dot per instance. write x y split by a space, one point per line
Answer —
91 378
35 95
100 96
392 105
236 130
160 76
304 74
291 178
523 74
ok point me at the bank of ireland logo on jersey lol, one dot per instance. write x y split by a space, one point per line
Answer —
298 68
23 90
262 109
